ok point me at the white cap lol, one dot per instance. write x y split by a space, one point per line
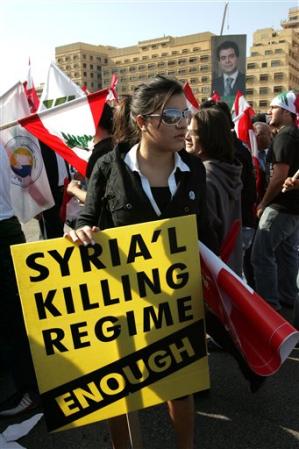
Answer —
287 100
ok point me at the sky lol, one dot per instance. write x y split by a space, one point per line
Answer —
33 28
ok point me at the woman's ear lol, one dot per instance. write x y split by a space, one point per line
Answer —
141 122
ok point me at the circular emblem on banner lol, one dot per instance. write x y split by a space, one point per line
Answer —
25 160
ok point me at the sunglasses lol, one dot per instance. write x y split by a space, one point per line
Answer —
173 116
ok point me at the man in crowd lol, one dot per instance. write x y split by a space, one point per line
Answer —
231 79
275 249
263 136
15 357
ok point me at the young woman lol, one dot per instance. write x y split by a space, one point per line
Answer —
209 137
149 181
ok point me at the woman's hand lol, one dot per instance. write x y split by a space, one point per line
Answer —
82 236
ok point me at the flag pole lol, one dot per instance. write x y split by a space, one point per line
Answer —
223 18
52 110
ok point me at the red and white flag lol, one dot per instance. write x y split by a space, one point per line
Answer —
69 128
215 97
192 102
263 336
242 114
30 92
30 190
59 89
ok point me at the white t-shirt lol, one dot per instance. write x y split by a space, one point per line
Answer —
6 210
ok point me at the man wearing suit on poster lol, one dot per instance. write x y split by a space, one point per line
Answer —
231 79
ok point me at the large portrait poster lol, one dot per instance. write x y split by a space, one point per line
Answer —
228 65
116 326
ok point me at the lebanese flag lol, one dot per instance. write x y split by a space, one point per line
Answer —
30 92
263 336
69 128
215 97
242 114
113 96
59 89
192 103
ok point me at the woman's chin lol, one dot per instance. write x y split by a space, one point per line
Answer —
189 148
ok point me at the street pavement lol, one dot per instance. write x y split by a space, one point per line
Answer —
228 417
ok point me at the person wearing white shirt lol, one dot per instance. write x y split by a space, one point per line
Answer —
15 357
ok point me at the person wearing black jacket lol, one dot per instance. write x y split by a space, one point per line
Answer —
149 181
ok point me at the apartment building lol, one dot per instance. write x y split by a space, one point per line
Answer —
273 64
186 58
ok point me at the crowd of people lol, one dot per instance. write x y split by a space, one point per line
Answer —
156 160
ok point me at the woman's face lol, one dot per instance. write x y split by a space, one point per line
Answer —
192 141
165 134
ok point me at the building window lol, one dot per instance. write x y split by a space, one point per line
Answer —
204 79
249 91
264 77
251 65
91 58
91 66
193 60
204 58
263 90
141 67
268 52
193 69
249 79
204 68
171 62
174 52
278 50
196 49
275 63
264 64
185 50
277 89
263 103
278 76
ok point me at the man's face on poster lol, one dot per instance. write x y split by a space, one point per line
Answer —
228 61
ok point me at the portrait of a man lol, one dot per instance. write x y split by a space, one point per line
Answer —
228 76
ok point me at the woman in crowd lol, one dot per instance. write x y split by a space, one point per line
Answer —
209 138
148 181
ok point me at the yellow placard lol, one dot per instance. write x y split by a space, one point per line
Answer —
117 326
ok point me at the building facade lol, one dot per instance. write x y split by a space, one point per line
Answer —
273 64
186 58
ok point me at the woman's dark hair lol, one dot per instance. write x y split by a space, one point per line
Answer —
122 129
214 134
106 120
146 99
